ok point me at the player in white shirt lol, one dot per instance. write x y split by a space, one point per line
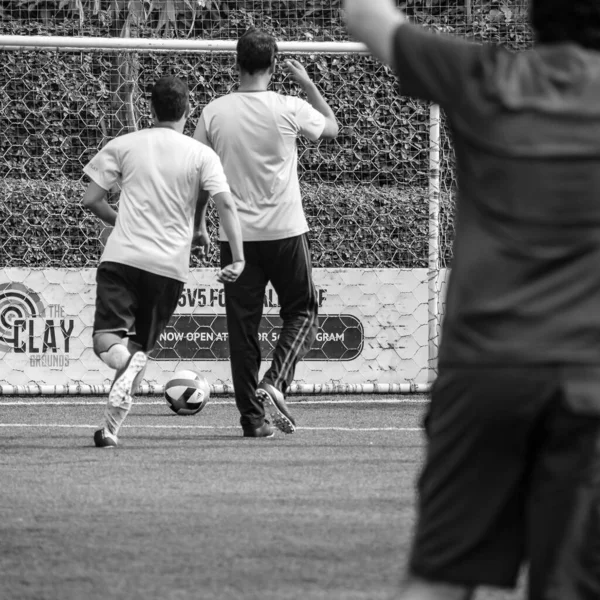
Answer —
254 131
145 264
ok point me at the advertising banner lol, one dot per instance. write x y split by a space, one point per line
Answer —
372 329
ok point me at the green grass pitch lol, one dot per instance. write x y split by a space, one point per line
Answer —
185 508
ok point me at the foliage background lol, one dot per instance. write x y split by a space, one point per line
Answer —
365 193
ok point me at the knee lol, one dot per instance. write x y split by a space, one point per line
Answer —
102 342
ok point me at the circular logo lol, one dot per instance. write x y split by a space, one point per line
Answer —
17 302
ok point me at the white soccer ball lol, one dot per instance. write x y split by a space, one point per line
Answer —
187 392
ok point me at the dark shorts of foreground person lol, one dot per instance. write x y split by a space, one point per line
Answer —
512 475
134 302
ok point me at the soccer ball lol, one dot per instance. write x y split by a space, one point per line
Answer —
187 392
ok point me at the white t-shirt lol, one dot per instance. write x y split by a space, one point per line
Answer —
254 134
160 173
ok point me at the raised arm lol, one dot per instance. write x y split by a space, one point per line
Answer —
374 23
430 66
313 95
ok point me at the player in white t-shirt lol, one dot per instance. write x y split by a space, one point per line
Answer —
254 131
141 274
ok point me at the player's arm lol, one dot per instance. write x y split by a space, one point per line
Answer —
201 239
104 172
94 200
374 23
230 222
228 217
314 97
227 210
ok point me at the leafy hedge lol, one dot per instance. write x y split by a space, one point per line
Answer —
57 110
42 224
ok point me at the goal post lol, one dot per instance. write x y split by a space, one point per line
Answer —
433 276
374 199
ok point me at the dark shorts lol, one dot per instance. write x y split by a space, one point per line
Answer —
134 302
512 476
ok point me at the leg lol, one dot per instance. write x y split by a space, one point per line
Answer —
244 305
139 303
112 350
290 272
288 266
113 321
564 504
129 366
473 490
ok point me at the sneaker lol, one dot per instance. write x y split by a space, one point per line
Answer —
264 431
121 387
104 439
276 407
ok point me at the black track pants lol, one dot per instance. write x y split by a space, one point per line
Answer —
287 265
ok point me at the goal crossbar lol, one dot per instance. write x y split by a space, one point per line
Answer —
21 42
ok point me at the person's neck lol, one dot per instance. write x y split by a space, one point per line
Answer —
254 83
174 125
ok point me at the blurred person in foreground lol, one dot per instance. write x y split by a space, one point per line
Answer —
254 131
512 470
146 259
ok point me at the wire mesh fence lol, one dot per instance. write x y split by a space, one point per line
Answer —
365 193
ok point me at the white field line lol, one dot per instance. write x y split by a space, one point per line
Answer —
209 427
217 402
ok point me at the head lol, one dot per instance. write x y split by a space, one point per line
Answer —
170 99
256 52
558 21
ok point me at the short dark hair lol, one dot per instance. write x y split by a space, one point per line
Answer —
256 51
170 98
576 21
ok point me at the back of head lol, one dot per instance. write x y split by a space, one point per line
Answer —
560 21
256 51
170 98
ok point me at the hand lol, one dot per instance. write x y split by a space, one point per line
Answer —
297 72
231 272
201 243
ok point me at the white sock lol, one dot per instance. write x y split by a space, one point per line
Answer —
115 415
